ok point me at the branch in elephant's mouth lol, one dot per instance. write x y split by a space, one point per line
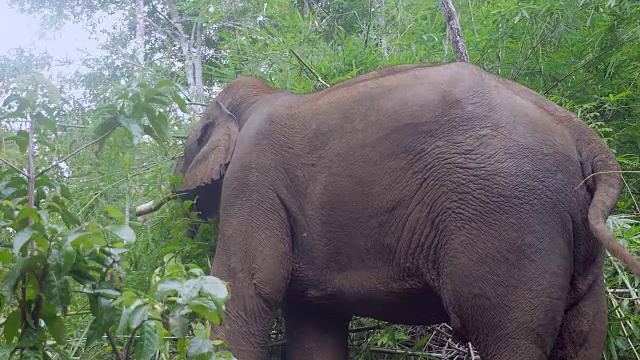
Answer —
152 206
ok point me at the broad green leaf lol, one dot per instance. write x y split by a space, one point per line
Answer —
125 313
113 212
205 308
134 127
138 315
179 325
11 98
68 256
64 191
105 316
165 83
124 232
103 129
12 325
165 287
5 256
182 104
20 239
22 140
55 289
57 329
199 346
28 212
44 121
160 124
148 342
215 288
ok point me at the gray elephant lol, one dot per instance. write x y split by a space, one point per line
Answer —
416 194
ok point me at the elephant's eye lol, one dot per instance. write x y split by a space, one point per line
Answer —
204 134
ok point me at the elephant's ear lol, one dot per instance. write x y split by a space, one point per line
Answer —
216 141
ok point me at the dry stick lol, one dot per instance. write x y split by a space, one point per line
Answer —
303 63
455 32
75 152
13 167
632 291
607 172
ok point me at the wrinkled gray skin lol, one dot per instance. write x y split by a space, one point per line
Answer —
414 195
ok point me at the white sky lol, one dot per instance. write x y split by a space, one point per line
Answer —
22 30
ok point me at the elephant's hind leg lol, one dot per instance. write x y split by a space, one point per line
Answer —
315 334
507 295
584 326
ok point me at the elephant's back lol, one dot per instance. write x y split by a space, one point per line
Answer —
383 174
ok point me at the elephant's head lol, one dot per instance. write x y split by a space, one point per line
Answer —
209 149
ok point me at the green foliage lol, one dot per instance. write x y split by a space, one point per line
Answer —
580 54
52 258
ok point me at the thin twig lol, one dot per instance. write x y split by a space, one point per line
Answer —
303 63
75 152
607 172
13 167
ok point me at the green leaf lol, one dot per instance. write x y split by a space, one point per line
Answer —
105 314
147 344
165 83
215 288
125 313
55 288
199 346
165 287
47 122
6 350
28 212
104 128
159 123
5 256
11 98
182 104
205 308
134 127
68 256
179 325
22 140
138 315
20 239
65 192
57 329
113 212
124 232
12 325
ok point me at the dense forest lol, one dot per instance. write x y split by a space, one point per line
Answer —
84 277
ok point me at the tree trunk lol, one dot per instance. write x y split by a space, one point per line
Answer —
454 32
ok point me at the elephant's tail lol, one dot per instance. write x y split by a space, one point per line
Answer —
607 189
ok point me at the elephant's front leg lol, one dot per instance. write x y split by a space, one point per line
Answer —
254 255
315 334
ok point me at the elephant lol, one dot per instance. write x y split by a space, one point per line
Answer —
416 194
